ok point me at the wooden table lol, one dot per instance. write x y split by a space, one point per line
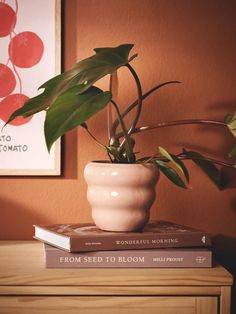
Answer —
27 287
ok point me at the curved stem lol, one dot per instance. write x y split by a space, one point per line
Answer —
175 123
125 132
139 103
134 104
214 161
113 82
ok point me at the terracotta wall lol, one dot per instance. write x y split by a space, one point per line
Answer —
190 41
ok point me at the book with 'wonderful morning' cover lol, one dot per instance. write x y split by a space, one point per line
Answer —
155 258
87 237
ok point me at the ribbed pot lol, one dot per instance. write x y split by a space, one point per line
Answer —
120 194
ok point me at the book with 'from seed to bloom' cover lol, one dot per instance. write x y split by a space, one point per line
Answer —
87 237
154 258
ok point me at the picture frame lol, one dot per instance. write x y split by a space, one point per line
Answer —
30 39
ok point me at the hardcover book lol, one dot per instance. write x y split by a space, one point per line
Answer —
87 237
155 258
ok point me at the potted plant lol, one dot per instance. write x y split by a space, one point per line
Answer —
121 190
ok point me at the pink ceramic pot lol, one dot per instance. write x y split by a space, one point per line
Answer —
120 194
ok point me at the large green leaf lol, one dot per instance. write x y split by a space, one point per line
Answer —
83 75
176 161
170 173
207 167
105 61
72 109
44 100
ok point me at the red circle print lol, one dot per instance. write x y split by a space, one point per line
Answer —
26 49
7 18
7 80
11 103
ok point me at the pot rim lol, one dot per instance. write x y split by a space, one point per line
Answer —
109 164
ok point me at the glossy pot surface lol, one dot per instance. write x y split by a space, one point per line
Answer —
120 194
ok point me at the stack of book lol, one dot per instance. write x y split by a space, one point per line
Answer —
161 244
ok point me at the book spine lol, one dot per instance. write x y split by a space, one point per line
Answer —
56 258
145 241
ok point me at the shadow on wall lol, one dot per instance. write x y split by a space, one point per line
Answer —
15 217
224 143
225 253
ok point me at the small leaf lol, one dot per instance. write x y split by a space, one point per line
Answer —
132 57
207 167
170 173
114 152
72 109
129 150
129 154
176 161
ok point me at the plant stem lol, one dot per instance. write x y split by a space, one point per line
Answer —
110 157
175 123
134 104
139 104
113 83
125 132
184 157
214 161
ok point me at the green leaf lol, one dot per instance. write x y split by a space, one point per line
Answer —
207 167
105 61
125 157
176 161
117 155
72 109
41 102
129 154
121 51
170 173
133 57
82 75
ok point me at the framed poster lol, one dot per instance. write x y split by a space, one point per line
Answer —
30 49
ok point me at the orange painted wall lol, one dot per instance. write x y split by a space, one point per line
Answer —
190 41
